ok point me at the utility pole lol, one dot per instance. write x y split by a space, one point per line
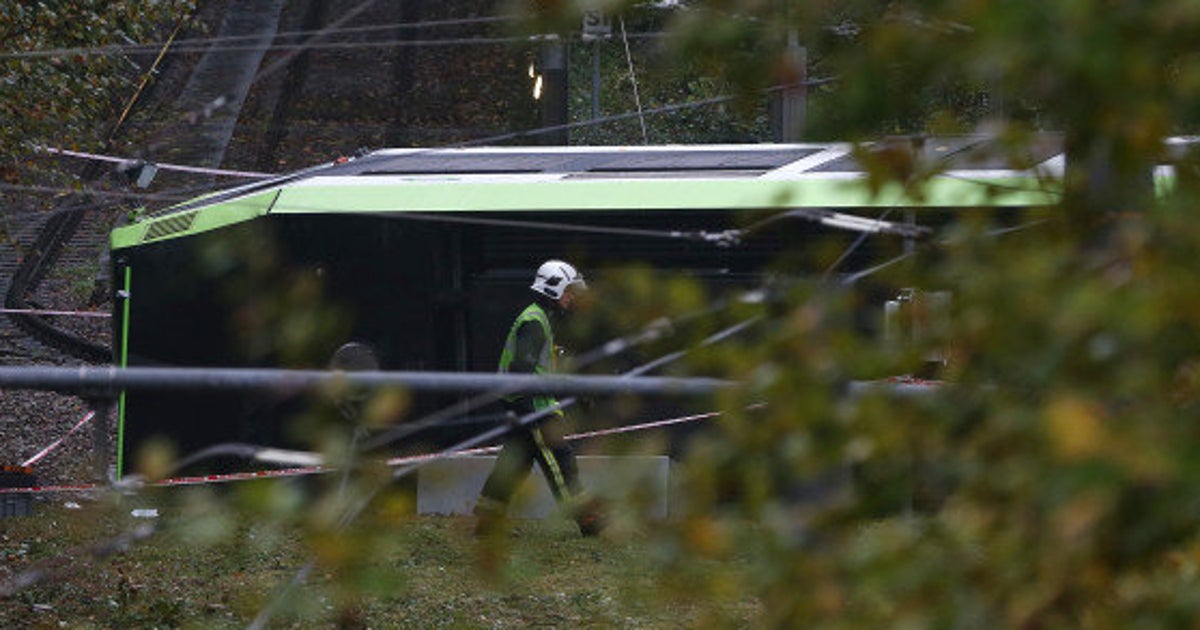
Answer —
553 62
595 79
596 27
788 107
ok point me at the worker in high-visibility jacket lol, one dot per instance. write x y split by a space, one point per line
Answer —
530 348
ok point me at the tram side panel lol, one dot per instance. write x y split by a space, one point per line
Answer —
425 295
274 292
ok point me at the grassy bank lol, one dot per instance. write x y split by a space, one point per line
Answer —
207 566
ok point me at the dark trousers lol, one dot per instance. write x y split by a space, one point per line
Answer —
545 443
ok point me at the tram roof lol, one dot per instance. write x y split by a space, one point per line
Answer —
970 173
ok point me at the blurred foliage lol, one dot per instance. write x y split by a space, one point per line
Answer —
661 80
280 314
71 99
1051 481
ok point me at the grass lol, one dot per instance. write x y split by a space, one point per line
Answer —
79 280
210 566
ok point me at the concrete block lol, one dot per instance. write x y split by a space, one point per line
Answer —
451 486
16 503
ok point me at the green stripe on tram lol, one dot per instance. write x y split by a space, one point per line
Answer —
646 194
128 297
192 222
371 194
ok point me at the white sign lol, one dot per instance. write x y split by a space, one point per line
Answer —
596 25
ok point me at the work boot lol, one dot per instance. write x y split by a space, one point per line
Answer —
491 518
591 518
491 534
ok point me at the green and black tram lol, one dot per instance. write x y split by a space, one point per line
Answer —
426 254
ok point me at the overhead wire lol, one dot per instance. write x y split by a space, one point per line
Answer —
859 275
600 353
533 131
637 99
168 196
312 43
94 192
166 166
862 236
719 237
547 129
196 44
221 100
368 45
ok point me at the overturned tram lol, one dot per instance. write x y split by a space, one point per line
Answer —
425 255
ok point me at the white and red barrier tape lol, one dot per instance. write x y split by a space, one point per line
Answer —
53 445
312 470
42 311
487 450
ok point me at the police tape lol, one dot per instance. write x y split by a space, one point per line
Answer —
174 481
44 311
487 450
53 445
301 471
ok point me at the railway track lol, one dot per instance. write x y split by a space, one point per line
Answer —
322 104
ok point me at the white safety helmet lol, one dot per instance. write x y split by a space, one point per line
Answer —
553 278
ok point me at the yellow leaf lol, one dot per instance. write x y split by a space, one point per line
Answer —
1075 427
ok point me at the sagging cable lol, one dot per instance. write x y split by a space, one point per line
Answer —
855 223
722 238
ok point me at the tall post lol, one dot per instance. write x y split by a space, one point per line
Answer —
554 91
789 105
596 26
595 79
101 444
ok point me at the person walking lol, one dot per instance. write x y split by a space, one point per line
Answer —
530 349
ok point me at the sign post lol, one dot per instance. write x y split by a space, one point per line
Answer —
596 26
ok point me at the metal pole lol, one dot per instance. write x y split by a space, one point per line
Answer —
554 92
101 444
910 243
790 104
108 381
596 78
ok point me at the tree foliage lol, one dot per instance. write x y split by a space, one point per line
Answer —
1051 482
71 95
638 75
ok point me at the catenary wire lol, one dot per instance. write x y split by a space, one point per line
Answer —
53 190
694 235
716 100
168 196
204 43
853 246
637 99
602 352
